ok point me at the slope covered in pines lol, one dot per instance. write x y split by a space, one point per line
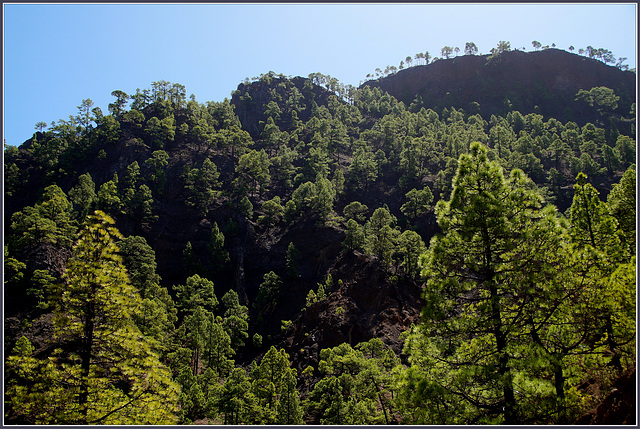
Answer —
313 252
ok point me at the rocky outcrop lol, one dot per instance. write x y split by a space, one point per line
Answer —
368 304
618 407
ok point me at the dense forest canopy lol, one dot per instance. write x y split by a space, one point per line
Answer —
310 252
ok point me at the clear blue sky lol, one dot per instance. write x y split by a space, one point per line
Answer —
56 55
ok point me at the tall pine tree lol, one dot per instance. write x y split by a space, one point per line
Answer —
103 369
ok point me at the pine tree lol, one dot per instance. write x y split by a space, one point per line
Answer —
410 246
235 399
202 183
196 292
292 260
218 349
273 384
104 370
108 198
622 205
49 221
381 235
83 195
597 238
498 245
418 202
219 256
236 319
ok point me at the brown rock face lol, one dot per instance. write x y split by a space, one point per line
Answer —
368 304
618 408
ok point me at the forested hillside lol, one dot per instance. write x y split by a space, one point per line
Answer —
310 252
545 82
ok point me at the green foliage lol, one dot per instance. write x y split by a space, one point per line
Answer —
117 108
158 314
218 347
94 319
196 325
601 98
285 324
627 149
236 319
158 161
313 198
13 176
83 194
324 289
381 235
591 221
219 256
600 248
519 325
325 196
489 225
141 204
470 48
139 259
268 292
355 210
521 305
418 202
363 169
292 260
303 197
622 205
14 271
410 247
273 383
108 198
42 283
160 131
235 400
338 181
273 212
283 164
193 402
133 175
354 389
201 183
137 197
312 298
196 292
49 221
253 172
257 340
354 236
245 208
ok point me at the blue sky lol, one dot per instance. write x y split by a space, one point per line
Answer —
56 55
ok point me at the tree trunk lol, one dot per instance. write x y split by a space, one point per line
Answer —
558 378
503 361
504 372
85 354
612 344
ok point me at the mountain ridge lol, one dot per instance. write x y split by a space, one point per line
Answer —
516 76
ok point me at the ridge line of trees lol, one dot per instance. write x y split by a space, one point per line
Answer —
425 58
